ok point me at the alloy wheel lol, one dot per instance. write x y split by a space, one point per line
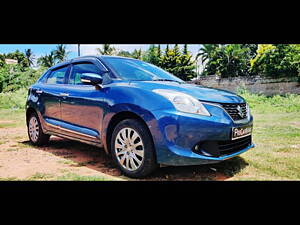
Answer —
33 129
129 149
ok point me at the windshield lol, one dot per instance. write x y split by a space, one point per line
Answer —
131 69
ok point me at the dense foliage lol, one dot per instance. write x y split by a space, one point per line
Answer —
278 60
174 60
178 63
14 77
13 100
23 60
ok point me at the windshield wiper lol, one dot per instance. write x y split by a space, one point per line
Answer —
167 80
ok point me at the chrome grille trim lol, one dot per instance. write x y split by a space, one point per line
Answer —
245 120
237 111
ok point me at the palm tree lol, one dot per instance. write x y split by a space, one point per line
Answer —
107 50
206 52
47 60
234 60
137 54
29 56
61 53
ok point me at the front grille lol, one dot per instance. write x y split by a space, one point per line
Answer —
232 146
237 111
221 148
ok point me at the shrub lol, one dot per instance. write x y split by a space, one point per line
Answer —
13 100
277 103
14 77
280 60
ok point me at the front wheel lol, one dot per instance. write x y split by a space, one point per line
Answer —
35 132
132 148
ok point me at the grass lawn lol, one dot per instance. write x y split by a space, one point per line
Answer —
277 152
276 135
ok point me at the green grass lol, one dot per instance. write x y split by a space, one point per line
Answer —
76 177
68 162
13 100
41 176
276 133
10 118
8 179
277 152
267 104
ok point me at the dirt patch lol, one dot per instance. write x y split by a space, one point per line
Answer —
20 160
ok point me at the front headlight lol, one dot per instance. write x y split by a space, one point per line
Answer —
183 102
248 110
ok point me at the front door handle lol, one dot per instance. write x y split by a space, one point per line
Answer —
64 94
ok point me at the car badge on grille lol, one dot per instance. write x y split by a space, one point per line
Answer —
240 111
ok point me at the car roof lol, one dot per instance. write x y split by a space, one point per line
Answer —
88 57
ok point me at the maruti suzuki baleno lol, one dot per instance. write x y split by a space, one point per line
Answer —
138 113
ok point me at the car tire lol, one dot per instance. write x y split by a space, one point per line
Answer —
35 132
132 148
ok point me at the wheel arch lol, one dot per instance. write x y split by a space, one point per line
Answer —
29 111
118 117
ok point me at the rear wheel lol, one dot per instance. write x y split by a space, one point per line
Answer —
35 132
132 148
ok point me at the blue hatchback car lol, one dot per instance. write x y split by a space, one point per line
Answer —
138 113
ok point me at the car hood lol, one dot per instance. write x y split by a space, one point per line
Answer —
199 92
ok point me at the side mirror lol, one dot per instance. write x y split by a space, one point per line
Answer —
91 78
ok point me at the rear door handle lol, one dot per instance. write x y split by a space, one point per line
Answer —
39 91
64 94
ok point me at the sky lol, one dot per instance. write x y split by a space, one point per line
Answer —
85 49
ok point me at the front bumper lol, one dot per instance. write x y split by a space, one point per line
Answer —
179 133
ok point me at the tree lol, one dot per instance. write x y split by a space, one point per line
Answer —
60 54
185 51
2 60
106 50
178 63
20 57
207 51
14 77
187 65
152 55
158 52
278 60
137 54
252 49
233 61
47 60
228 60
124 54
168 61
29 56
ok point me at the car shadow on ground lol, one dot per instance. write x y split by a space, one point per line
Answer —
81 154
